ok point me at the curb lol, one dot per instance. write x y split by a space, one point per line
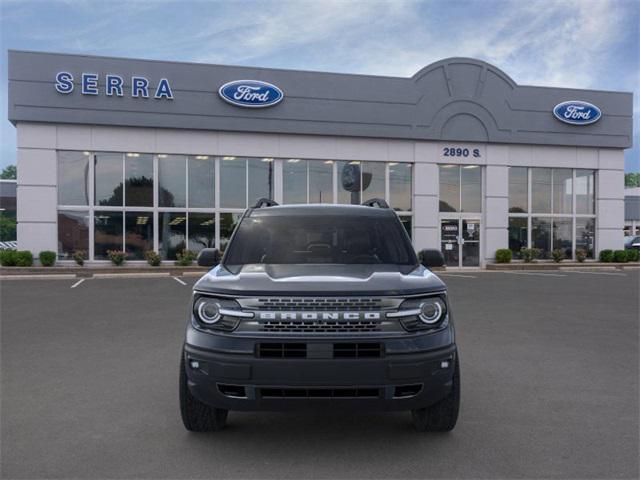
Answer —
561 266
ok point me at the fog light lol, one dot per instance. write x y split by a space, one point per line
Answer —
194 364
444 364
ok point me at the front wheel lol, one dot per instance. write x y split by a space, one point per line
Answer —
442 416
198 416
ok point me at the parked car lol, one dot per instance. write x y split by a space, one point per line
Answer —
632 241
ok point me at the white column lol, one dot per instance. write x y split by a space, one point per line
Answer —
426 189
496 210
610 200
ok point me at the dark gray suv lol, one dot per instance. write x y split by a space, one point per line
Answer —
320 305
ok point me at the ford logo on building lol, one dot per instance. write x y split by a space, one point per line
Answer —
250 93
577 112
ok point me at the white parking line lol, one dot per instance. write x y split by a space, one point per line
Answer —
78 283
178 280
455 275
538 274
599 273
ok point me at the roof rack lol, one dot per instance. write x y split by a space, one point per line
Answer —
376 202
265 202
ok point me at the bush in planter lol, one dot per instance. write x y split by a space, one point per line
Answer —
581 254
8 258
503 255
24 258
558 255
633 255
79 256
47 258
117 257
606 255
620 256
185 258
526 254
153 258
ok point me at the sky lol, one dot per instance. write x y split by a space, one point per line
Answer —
565 43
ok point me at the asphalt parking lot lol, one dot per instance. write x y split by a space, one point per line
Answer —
549 388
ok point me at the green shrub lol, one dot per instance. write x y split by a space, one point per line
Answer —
606 255
530 254
24 258
153 258
8 258
185 257
633 255
558 255
620 256
503 255
47 258
117 257
581 254
80 256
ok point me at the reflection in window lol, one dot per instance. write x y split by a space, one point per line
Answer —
585 192
562 190
541 190
107 233
172 188
233 182
518 190
373 174
320 181
202 231
294 181
172 230
585 235
562 235
260 179
517 235
201 182
541 235
349 182
108 179
73 178
449 188
406 223
400 186
471 190
138 173
228 222
73 233
138 234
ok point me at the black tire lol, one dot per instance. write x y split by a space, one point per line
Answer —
198 416
442 416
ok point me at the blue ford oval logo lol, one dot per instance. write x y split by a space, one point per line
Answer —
577 112
251 93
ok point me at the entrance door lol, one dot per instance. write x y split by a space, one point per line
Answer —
460 242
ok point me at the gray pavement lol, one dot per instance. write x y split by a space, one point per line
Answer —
549 389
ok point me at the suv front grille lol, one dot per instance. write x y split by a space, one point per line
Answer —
319 304
320 326
319 351
319 392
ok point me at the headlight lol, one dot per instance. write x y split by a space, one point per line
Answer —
217 313
431 310
421 313
208 310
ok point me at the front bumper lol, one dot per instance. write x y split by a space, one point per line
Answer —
413 372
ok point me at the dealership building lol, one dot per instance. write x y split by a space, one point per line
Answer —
140 155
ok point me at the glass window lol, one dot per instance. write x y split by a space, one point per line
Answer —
73 233
541 190
449 188
107 233
172 188
406 223
373 178
585 192
202 182
320 181
108 179
562 235
517 235
400 186
541 235
228 222
294 181
73 178
471 188
260 179
138 173
349 182
233 182
585 235
138 237
518 190
562 190
172 230
202 231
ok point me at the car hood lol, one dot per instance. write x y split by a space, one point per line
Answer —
342 280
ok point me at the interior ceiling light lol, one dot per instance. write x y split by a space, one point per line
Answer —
228 158
202 157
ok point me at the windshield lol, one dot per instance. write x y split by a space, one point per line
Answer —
334 239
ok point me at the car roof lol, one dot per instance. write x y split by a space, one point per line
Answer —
320 209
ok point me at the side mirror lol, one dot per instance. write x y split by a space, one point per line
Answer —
208 257
430 257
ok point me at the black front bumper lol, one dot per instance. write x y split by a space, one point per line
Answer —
412 372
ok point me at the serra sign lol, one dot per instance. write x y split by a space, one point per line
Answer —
250 93
113 85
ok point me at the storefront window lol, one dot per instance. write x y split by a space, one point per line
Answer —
73 178
585 235
541 190
294 181
471 191
172 231
233 182
400 175
320 181
201 181
107 233
349 182
373 182
585 192
260 179
449 188
73 233
541 235
172 188
228 222
518 190
517 235
562 190
138 174
202 231
138 234
108 179
562 235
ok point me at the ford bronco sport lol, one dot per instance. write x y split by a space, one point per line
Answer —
319 305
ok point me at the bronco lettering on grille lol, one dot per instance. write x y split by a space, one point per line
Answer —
319 315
